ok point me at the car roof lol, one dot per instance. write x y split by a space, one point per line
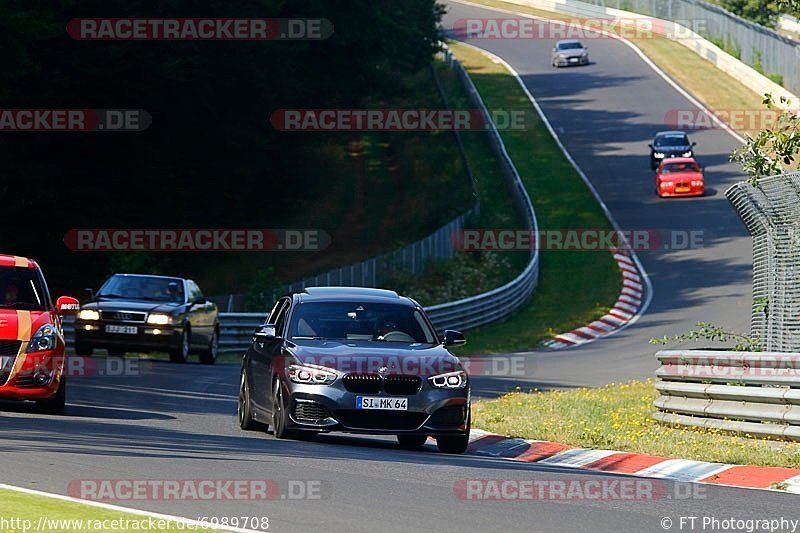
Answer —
680 160
147 276
319 294
17 261
672 133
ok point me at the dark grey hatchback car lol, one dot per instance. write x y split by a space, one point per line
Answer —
355 360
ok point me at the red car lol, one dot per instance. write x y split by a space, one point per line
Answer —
680 176
31 339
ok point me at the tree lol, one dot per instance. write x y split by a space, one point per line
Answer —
760 12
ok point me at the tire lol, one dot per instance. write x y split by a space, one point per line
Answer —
83 349
244 409
411 442
56 404
455 444
180 353
209 355
280 416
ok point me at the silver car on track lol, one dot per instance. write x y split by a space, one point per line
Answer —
569 52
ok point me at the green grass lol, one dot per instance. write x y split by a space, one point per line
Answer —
20 506
618 417
574 287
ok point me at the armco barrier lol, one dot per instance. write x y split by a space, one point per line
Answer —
769 41
755 393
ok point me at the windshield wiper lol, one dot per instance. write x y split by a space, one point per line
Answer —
111 295
301 338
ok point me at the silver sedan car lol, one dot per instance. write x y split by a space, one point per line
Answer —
569 52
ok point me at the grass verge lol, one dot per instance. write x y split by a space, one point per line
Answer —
23 512
618 417
713 87
562 201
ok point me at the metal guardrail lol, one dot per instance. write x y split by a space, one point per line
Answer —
754 393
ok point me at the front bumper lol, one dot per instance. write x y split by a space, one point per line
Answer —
147 336
17 374
571 61
431 411
673 193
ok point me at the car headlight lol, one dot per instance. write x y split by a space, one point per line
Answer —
310 375
687 154
451 380
659 155
88 314
696 183
666 184
44 340
159 319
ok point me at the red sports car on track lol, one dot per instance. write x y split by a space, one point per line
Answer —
31 339
680 176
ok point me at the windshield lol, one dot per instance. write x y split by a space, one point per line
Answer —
360 321
672 140
21 289
570 46
148 288
680 167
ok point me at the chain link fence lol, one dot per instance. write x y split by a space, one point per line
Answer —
771 212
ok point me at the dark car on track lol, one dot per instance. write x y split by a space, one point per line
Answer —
668 144
134 312
359 361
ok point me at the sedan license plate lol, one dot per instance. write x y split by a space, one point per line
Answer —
573 59
376 402
682 189
130 330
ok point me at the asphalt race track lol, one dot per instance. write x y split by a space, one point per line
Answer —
606 114
178 423
171 422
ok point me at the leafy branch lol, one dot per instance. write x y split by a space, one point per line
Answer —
773 149
711 332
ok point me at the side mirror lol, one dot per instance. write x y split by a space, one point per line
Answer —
694 144
454 338
651 146
90 291
202 300
266 332
67 305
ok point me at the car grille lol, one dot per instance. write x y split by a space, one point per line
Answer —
9 348
122 316
401 385
310 411
451 415
374 384
362 383
380 420
24 379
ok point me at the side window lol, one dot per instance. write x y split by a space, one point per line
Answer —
194 290
280 320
